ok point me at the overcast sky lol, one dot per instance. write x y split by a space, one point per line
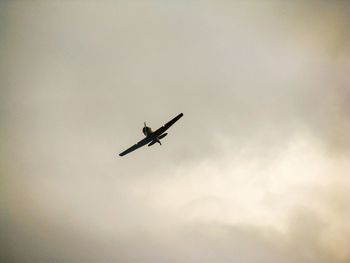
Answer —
257 170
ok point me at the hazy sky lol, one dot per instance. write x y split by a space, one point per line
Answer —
257 170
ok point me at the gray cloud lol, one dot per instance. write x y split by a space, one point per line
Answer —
256 171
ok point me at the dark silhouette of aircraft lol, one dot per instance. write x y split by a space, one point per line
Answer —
152 136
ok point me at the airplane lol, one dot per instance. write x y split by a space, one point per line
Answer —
152 137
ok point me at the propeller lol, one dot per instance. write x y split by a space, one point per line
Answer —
145 124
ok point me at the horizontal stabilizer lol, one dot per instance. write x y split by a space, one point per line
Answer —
162 136
153 142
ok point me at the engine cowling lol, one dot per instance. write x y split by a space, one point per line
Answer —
146 130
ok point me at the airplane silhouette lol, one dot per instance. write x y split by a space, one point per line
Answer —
152 136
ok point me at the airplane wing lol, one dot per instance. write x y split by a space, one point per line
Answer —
167 125
137 145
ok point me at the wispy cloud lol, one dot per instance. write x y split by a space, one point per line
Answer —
256 171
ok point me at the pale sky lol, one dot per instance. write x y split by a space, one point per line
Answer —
257 170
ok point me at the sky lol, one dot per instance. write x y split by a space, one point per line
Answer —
256 171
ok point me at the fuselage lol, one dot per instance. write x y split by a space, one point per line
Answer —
147 131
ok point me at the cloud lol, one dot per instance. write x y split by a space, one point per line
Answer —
256 171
